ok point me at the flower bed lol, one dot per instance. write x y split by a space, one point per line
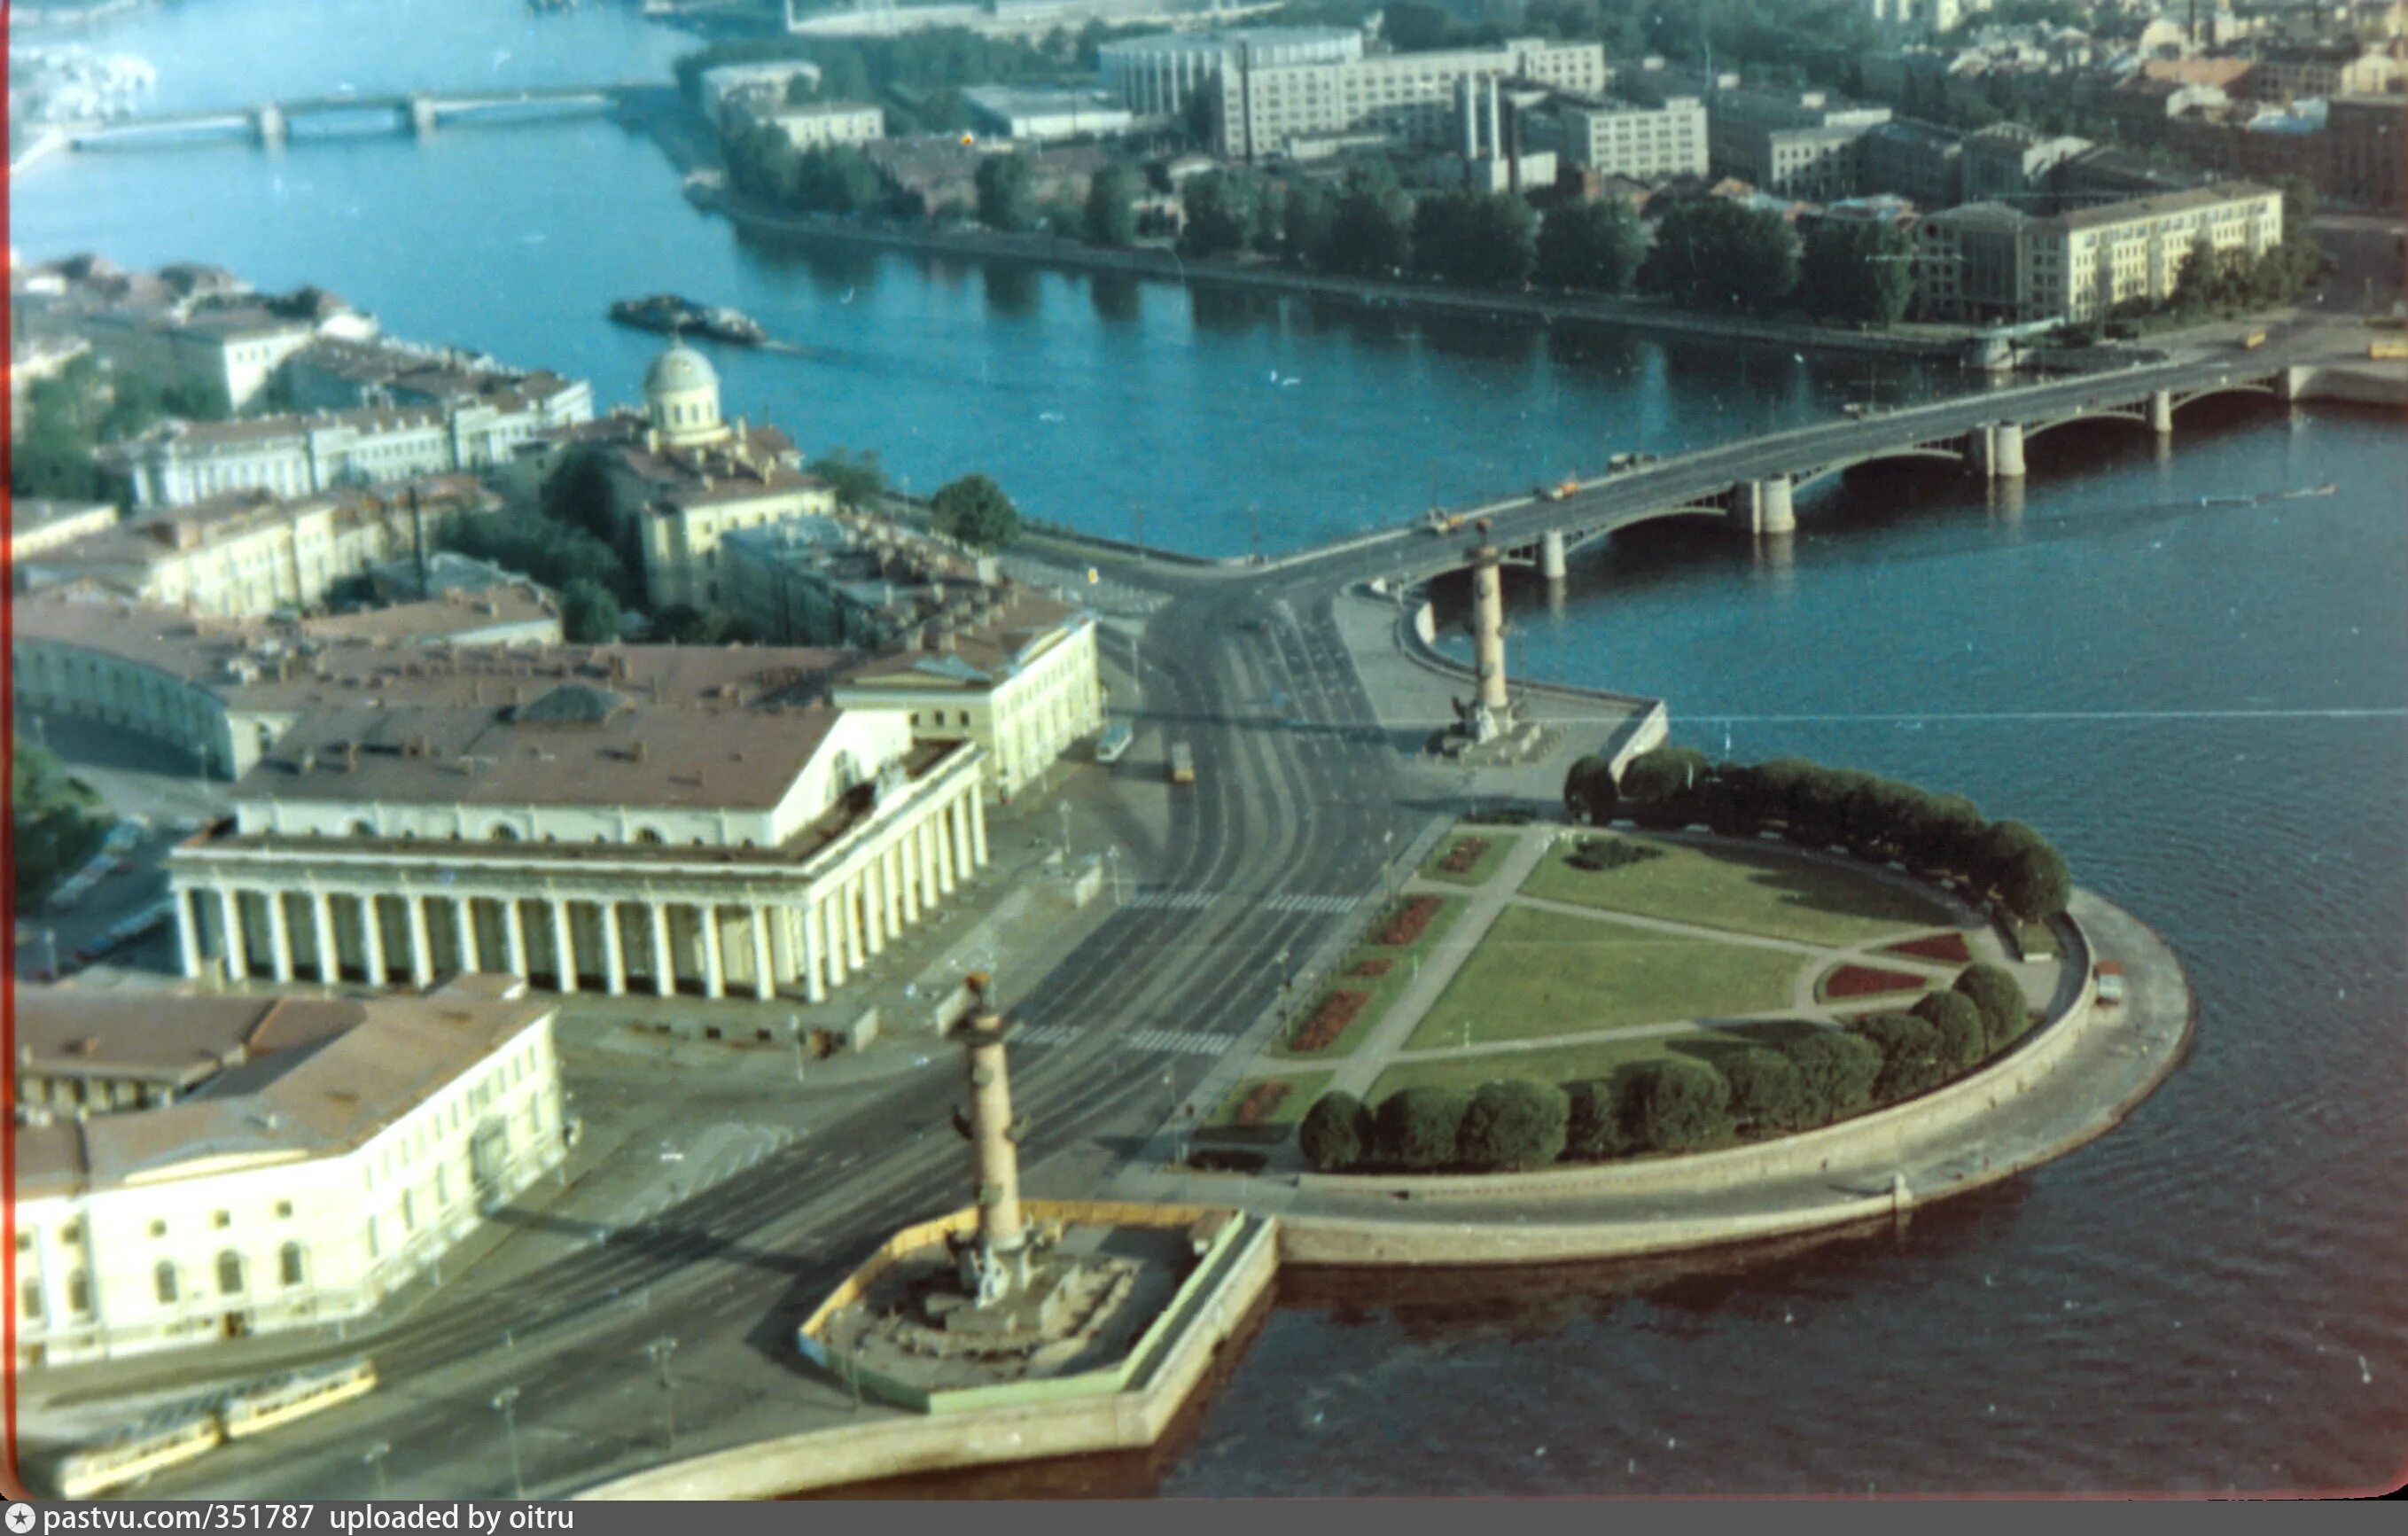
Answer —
1258 1104
1460 859
1329 1022
1866 980
1377 965
1949 948
1409 921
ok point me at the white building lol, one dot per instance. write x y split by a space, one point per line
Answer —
1043 114
1264 109
1157 76
1623 137
1985 262
765 82
200 1167
819 125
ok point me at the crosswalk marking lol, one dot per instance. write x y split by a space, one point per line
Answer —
1175 901
1173 1041
1154 898
1296 902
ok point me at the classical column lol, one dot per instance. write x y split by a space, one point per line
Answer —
814 956
827 940
371 941
322 932
906 870
422 957
279 943
563 946
514 934
978 826
188 938
614 958
854 959
664 966
464 922
940 831
873 905
890 885
714 963
765 980
237 957
965 855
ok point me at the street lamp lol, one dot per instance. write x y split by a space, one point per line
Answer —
1112 862
794 1023
1064 807
374 1457
1388 865
506 1402
660 1350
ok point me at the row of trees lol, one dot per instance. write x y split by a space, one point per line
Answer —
2004 863
83 407
1679 1105
57 822
1717 254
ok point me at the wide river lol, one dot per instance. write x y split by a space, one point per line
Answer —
2207 707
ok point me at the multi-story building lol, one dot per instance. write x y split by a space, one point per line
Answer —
2007 162
2366 150
685 477
194 1168
812 125
1157 76
1617 137
656 820
1984 261
1041 114
766 83
859 582
1015 677
1795 144
1407 99
2291 72
248 553
1917 161
37 526
177 463
2115 176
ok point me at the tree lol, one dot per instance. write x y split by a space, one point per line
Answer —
1683 1106
1715 254
1514 1124
1417 26
1911 1058
1006 198
577 495
57 822
1371 231
1836 1073
975 510
857 478
1337 1133
1858 270
1766 1090
1478 240
2035 884
1223 209
1659 785
1308 213
836 178
1595 246
1110 213
589 615
1964 1034
1589 792
1599 1120
1420 1128
1994 990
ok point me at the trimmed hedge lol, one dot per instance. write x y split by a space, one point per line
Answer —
1995 991
1912 1062
1682 1106
1964 1034
1337 1133
1515 1124
1420 1129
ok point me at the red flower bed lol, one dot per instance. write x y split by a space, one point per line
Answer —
1377 965
1947 947
1463 855
1259 1104
1864 981
1328 1021
1409 921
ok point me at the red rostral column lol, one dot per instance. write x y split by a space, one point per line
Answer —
1488 623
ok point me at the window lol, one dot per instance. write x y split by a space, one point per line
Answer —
408 1213
163 1280
29 1300
71 1232
229 1273
291 1264
79 1293
284 1208
158 1228
221 1220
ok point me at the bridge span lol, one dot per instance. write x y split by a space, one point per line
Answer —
417 113
1750 486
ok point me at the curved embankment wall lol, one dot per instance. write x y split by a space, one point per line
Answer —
1129 1419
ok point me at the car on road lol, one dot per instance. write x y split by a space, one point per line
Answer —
2110 976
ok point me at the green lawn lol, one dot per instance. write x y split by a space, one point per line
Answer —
1402 959
1303 1090
1540 973
1567 1064
1745 890
1500 842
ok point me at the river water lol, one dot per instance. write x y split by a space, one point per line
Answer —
2206 707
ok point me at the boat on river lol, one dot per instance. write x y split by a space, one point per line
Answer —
676 315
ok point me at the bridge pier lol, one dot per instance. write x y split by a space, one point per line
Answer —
2161 411
1762 507
270 125
1999 449
419 116
2289 383
1551 563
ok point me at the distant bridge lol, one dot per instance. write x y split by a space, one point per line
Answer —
1750 486
416 113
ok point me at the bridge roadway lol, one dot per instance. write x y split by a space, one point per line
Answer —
414 111
1276 806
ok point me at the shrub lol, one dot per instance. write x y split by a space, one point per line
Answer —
1661 785
1836 1073
1597 854
1515 1123
1818 806
1337 1133
1589 792
1420 1128
1465 856
1766 1090
1682 1106
2000 997
1964 1034
1600 1120
2035 884
1910 1059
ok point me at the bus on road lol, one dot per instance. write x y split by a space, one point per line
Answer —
1115 743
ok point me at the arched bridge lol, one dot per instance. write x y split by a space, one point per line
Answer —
1750 486
415 112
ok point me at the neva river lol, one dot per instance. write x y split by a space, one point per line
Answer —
2204 706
